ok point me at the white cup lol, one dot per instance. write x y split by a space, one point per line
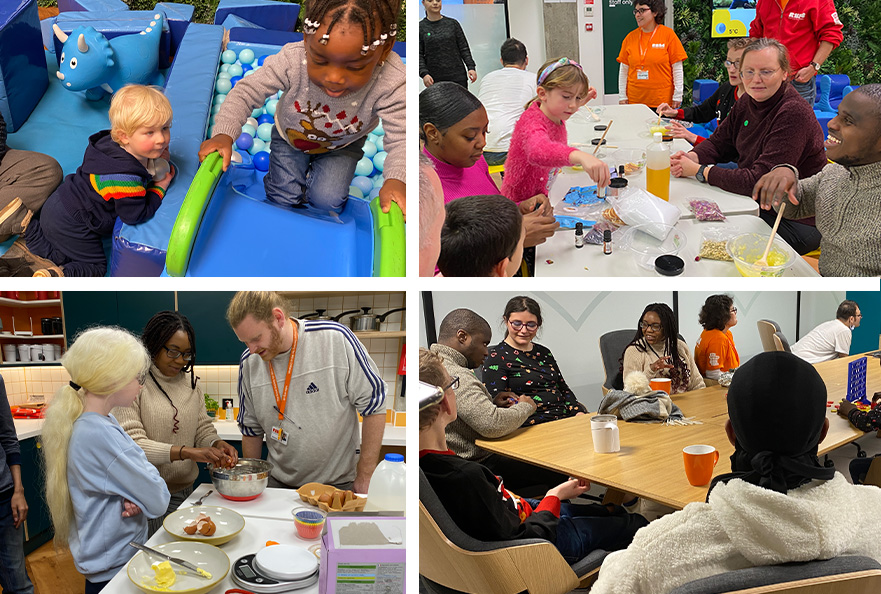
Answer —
24 352
9 351
48 352
37 352
604 430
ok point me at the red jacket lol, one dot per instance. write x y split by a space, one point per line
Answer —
800 27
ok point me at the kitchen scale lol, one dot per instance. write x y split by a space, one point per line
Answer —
277 568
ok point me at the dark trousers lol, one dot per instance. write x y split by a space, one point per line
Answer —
522 478
26 180
95 587
803 238
67 241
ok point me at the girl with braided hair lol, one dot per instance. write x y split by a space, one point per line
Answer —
657 351
168 421
337 83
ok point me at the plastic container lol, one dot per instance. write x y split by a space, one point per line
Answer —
657 168
387 486
745 249
646 248
9 353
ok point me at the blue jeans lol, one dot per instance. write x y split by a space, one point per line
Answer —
586 528
13 575
807 90
322 180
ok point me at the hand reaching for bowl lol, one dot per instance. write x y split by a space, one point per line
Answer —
212 455
667 111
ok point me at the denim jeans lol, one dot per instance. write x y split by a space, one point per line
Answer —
807 90
13 575
586 528
322 180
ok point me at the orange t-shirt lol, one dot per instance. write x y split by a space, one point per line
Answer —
715 350
652 55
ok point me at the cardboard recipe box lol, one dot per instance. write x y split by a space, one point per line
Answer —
353 560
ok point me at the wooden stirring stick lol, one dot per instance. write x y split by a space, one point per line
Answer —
606 131
763 261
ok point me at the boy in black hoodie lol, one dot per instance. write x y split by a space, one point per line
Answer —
124 174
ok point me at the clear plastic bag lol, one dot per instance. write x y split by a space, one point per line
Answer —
595 235
581 203
705 210
713 241
635 206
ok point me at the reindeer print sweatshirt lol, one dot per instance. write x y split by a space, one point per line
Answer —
314 122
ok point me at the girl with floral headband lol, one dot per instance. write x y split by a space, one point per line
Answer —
337 83
539 144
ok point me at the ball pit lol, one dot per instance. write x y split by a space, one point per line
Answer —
245 141
265 119
235 70
264 131
234 80
261 160
228 57
379 160
246 56
223 86
365 184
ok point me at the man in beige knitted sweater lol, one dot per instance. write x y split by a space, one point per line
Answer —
463 341
844 196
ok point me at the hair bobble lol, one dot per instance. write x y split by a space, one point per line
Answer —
324 38
559 63
74 386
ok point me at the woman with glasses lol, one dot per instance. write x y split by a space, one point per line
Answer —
770 126
651 59
519 365
169 420
658 352
716 106
714 351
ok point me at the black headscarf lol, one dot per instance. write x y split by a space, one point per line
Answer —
777 405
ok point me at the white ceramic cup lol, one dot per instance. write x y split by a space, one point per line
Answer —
24 352
604 430
48 352
9 353
37 352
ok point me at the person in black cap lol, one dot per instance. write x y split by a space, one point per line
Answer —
779 504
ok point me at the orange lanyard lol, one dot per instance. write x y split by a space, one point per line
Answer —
639 44
282 400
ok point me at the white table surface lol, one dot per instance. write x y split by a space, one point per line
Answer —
273 504
590 260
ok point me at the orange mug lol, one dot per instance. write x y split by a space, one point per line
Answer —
700 460
660 383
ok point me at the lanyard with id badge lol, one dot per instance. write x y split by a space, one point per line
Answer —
642 73
278 433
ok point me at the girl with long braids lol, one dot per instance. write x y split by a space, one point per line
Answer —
657 351
168 421
98 481
337 83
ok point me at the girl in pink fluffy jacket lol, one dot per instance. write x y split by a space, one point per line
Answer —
539 143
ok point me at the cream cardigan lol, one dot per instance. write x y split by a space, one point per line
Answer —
637 361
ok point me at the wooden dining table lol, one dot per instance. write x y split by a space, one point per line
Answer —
649 463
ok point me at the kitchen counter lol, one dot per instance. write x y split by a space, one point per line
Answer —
227 430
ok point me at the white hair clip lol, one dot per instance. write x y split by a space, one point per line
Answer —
364 49
324 38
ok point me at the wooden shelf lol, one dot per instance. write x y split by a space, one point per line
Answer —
23 363
392 334
35 303
34 337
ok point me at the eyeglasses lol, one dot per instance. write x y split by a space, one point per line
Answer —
640 10
646 326
174 354
453 385
733 310
518 325
142 377
762 74
729 63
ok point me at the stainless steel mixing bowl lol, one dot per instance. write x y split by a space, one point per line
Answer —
246 480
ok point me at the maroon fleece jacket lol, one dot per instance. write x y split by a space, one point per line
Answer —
760 136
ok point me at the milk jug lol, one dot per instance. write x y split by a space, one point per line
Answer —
387 486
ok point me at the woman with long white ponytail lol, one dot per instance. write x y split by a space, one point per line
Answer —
98 481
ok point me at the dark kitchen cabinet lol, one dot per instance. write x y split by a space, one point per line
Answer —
216 343
38 526
128 309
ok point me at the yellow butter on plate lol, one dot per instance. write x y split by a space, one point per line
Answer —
164 574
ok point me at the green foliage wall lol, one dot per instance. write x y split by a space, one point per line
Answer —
858 56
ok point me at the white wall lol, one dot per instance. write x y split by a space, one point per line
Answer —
526 22
574 321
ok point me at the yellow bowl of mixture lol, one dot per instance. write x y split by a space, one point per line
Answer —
746 248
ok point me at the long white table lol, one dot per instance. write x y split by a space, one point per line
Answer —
558 256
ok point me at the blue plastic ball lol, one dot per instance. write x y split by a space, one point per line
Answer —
271 106
379 160
249 129
257 113
364 167
247 68
234 80
369 149
365 184
380 143
245 141
356 192
374 193
235 70
216 107
378 180
258 146
372 137
265 119
248 73
246 56
218 99
378 130
222 75
260 60
264 131
228 57
223 86
224 67
261 161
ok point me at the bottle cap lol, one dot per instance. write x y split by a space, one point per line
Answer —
607 235
600 127
394 457
657 137
618 182
579 228
669 265
621 170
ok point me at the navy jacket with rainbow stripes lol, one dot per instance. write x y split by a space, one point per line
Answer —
110 183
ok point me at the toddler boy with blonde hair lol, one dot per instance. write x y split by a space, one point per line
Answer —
124 175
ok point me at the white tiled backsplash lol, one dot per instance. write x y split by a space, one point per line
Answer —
221 380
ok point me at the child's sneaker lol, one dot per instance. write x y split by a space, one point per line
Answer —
54 271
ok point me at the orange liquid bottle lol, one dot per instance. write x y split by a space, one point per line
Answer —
657 168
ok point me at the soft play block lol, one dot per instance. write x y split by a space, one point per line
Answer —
90 5
113 24
139 250
262 41
23 73
178 16
268 14
702 89
234 20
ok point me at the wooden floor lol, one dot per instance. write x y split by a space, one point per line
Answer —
54 573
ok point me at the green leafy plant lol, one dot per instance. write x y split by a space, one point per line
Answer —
210 403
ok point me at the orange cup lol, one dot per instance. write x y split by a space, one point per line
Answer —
660 383
700 460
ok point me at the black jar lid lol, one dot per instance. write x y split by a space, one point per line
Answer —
669 265
618 182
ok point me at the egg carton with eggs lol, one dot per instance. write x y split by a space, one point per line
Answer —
330 499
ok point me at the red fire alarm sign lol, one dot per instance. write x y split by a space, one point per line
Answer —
588 26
